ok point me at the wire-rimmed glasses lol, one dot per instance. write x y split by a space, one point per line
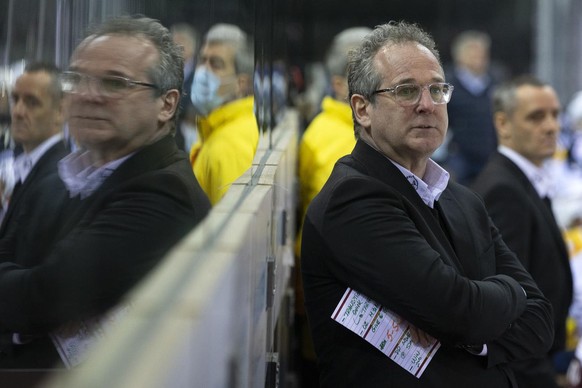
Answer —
111 86
409 94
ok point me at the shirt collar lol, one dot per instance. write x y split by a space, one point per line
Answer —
476 84
24 162
431 186
538 176
81 176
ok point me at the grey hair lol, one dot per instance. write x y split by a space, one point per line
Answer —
232 35
504 94
54 87
168 73
337 57
460 42
363 77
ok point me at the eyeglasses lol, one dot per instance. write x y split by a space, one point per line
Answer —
409 94
108 86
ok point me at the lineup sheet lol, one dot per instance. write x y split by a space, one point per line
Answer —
75 340
385 330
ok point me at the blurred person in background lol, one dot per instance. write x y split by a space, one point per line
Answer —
327 138
471 126
6 153
517 191
331 133
222 96
37 118
186 36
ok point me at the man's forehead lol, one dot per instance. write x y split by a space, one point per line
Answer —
113 41
401 59
220 50
119 53
38 80
530 93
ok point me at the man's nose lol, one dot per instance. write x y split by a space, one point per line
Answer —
552 123
18 109
425 102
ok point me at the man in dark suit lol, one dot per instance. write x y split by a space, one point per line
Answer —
516 190
470 121
131 194
391 226
37 115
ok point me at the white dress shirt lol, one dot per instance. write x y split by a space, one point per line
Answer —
81 176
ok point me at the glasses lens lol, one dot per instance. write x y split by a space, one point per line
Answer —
113 85
70 82
438 92
407 93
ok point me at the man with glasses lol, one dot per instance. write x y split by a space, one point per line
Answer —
407 282
517 191
131 194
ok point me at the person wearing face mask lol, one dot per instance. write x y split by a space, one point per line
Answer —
221 94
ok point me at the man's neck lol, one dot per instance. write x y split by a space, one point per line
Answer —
103 155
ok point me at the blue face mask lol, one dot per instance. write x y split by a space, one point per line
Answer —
204 94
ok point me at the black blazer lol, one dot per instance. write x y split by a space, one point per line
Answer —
46 165
530 230
368 229
105 243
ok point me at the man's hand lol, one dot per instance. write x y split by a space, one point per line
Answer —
419 337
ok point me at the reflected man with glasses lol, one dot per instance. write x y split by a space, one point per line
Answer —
390 226
130 193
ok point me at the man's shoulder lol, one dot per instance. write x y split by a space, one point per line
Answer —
498 172
347 178
47 163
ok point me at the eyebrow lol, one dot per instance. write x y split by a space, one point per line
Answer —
414 81
538 112
213 59
107 72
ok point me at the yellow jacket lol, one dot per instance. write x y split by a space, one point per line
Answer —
329 136
226 146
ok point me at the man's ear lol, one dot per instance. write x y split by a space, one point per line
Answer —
244 83
360 108
62 113
501 122
170 101
339 85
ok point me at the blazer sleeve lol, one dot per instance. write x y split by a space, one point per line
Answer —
377 248
533 332
101 257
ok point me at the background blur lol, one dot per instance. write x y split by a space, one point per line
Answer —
536 36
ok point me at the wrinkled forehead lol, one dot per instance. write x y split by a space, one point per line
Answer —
134 51
405 61
117 43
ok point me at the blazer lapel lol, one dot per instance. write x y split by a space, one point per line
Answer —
379 167
460 231
45 165
546 212
143 160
